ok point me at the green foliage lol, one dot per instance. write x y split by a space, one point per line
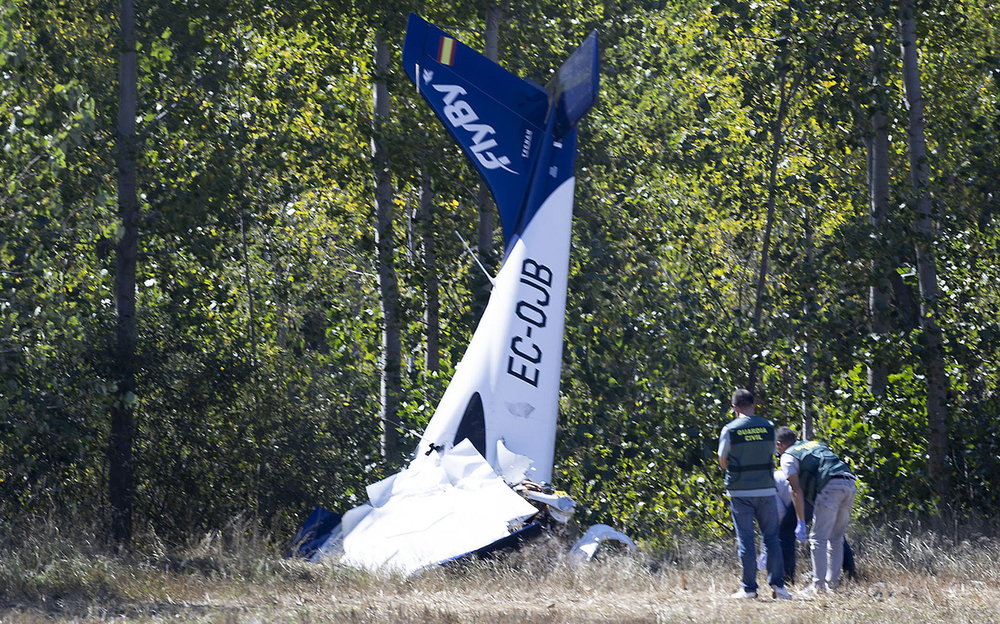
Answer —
259 324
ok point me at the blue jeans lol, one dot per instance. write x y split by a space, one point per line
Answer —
765 512
786 536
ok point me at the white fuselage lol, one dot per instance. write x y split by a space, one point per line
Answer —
515 356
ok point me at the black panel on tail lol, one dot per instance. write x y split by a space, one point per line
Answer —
473 425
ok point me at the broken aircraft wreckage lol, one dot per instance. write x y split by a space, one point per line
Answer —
477 481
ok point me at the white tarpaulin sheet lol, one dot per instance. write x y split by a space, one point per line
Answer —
441 506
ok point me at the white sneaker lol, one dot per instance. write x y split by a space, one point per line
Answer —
780 593
744 594
813 589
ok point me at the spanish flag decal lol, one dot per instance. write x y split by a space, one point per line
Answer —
446 51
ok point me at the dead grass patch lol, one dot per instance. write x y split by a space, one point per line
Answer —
907 574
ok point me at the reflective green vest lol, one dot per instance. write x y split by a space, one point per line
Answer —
817 465
751 454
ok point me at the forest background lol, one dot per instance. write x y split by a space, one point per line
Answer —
231 286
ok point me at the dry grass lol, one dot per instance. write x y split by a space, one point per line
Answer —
906 575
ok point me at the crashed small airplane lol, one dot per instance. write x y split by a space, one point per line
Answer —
478 480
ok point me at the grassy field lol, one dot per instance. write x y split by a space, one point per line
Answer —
905 575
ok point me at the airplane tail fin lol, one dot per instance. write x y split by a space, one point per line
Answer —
502 122
573 89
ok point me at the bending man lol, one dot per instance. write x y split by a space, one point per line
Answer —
816 475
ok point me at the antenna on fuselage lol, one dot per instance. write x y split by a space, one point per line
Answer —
476 258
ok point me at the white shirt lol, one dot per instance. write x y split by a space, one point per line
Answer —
789 464
783 496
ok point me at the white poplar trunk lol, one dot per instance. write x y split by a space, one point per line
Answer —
808 386
432 303
878 202
391 380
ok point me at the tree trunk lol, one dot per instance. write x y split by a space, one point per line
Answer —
486 207
932 343
487 210
120 473
432 314
391 385
878 202
765 249
808 387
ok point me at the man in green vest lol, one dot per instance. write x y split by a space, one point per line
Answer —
746 453
815 474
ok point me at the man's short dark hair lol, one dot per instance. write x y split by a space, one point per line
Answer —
743 398
785 435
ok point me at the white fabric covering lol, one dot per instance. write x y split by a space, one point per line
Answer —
440 507
587 546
